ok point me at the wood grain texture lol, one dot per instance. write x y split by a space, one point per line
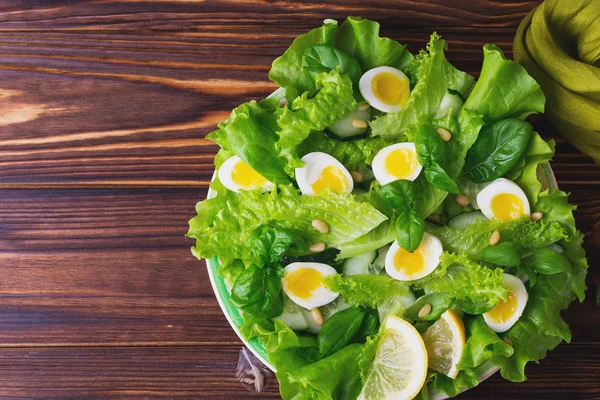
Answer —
103 110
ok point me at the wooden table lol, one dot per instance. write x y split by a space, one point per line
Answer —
103 109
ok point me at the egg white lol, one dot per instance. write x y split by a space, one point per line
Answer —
431 259
314 164
500 186
366 90
379 169
515 285
225 176
321 295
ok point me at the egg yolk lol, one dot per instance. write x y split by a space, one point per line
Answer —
245 176
302 282
505 309
390 89
410 263
507 207
331 177
400 163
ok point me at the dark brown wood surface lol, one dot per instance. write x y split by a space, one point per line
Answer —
103 107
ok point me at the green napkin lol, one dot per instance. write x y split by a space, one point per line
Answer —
559 45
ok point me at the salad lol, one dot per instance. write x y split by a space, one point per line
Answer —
381 224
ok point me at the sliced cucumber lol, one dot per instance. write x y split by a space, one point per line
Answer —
396 305
335 306
369 256
451 102
313 327
379 263
344 128
464 219
471 190
557 248
292 315
360 264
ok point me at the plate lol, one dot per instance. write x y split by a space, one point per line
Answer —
546 177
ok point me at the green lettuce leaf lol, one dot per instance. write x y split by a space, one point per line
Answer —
433 76
482 343
504 89
334 100
287 69
224 224
475 287
526 235
352 154
360 38
525 173
356 37
366 290
251 133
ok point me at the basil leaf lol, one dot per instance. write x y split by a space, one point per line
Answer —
369 326
430 151
258 291
548 262
498 148
438 177
410 227
504 253
323 58
339 330
267 244
399 194
438 301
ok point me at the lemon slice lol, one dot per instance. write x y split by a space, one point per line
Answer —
445 341
400 366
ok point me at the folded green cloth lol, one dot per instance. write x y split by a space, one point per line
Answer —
559 45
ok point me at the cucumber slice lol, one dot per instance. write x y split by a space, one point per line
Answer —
360 264
450 102
335 306
396 305
355 266
343 128
292 315
557 248
369 256
379 263
313 327
464 219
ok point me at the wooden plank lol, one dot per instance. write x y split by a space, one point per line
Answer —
120 94
208 372
113 268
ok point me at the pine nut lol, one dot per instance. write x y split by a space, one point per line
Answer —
536 216
317 247
359 123
444 134
316 314
321 226
495 238
463 200
434 218
508 341
283 102
356 176
363 107
425 310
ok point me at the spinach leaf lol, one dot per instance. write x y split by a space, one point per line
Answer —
438 301
323 58
267 244
398 194
339 330
548 262
504 254
369 326
410 227
497 150
431 151
258 291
